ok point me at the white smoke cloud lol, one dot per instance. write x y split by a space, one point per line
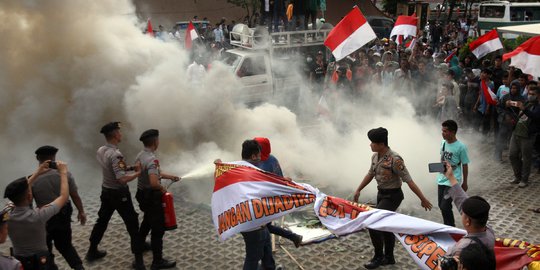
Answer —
71 66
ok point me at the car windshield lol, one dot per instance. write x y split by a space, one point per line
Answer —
231 59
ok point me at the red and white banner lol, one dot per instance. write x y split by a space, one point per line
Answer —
526 57
491 98
450 56
246 198
191 35
485 44
350 34
405 26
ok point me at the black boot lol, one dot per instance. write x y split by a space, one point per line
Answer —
388 259
162 264
94 254
375 262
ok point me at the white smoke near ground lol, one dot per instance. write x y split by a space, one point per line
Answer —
71 66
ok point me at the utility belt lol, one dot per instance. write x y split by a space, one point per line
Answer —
38 261
115 191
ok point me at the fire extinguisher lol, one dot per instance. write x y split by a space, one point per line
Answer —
168 210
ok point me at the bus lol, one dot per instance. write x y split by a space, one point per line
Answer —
495 14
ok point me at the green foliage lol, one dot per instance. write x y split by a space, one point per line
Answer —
464 51
511 44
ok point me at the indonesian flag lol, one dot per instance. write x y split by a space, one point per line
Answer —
349 35
191 34
149 29
322 107
485 44
450 56
490 97
246 198
405 26
526 57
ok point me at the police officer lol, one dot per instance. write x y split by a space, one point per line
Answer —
115 195
388 168
149 195
45 190
27 225
6 262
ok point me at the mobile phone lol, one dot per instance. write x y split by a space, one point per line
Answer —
437 167
52 165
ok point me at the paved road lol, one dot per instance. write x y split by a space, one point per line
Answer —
195 246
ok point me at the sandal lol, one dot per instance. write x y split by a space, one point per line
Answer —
537 210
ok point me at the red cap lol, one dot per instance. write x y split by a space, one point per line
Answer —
265 147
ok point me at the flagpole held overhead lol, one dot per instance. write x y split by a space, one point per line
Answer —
350 34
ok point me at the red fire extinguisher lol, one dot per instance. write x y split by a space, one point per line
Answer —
168 210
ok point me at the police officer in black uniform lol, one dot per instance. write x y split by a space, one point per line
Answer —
45 190
149 195
27 225
115 195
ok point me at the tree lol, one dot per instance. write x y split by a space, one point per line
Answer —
251 6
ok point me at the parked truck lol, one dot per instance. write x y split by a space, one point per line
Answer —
269 65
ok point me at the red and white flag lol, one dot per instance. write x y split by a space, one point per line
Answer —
405 26
349 34
149 29
191 35
526 57
485 44
490 97
450 56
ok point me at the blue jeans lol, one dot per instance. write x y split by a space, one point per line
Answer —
258 248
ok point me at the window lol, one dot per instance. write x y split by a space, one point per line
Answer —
520 14
492 11
252 66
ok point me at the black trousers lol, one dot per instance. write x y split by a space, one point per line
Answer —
445 204
387 199
117 200
150 202
59 232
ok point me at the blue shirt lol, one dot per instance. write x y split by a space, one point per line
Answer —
502 91
270 165
456 154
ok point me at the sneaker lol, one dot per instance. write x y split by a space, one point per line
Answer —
297 240
374 263
163 264
523 184
138 266
96 254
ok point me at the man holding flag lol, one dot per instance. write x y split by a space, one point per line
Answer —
486 100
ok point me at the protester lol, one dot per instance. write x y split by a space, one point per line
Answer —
388 168
524 136
258 244
508 117
270 163
455 152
